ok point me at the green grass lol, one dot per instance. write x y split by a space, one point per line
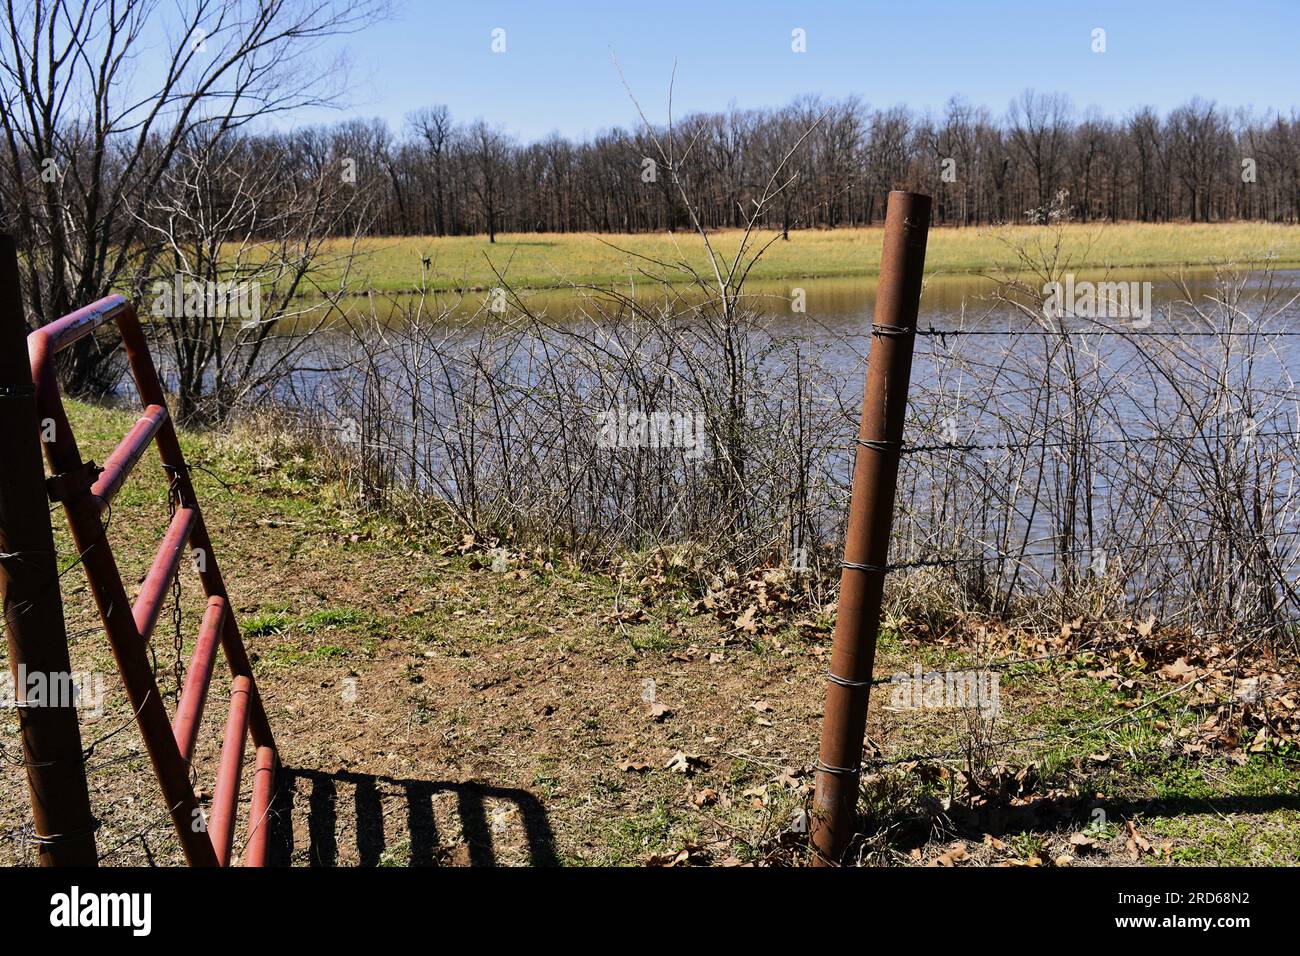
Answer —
266 625
540 260
656 829
1218 840
285 655
332 618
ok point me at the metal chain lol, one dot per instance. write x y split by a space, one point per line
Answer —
178 639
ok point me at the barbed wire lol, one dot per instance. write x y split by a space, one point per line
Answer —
1106 550
75 562
30 605
943 334
153 824
1084 441
87 752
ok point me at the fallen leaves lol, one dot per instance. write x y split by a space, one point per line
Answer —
682 762
684 857
951 857
1137 845
659 712
1082 843
1179 670
762 602
634 615
704 797
789 778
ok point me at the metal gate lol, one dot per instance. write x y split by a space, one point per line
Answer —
86 491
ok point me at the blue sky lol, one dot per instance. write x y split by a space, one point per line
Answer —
556 72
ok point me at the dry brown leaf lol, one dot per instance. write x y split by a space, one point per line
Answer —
668 859
705 797
682 762
954 855
1136 843
1179 670
788 778
659 712
1082 842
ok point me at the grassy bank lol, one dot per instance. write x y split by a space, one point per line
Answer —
540 260
434 705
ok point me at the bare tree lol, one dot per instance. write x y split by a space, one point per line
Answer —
86 145
1039 131
434 130
242 234
488 152
1197 136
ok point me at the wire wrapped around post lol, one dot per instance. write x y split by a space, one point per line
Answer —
871 511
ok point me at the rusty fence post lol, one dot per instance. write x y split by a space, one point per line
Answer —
871 514
33 605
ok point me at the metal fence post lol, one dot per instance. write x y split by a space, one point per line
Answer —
871 514
33 604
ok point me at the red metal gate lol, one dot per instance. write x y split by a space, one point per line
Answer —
86 491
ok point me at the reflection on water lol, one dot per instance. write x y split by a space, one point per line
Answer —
834 326
837 301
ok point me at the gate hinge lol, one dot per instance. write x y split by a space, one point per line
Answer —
72 484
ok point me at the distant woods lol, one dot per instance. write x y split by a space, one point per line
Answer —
439 176
1200 162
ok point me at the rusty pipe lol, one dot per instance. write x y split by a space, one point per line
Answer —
189 712
225 795
124 458
871 515
33 605
75 326
153 592
259 813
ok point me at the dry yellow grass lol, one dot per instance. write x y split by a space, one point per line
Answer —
544 260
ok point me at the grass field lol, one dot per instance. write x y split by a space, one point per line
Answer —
537 260
433 708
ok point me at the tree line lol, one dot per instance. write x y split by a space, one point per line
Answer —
835 162
1199 163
